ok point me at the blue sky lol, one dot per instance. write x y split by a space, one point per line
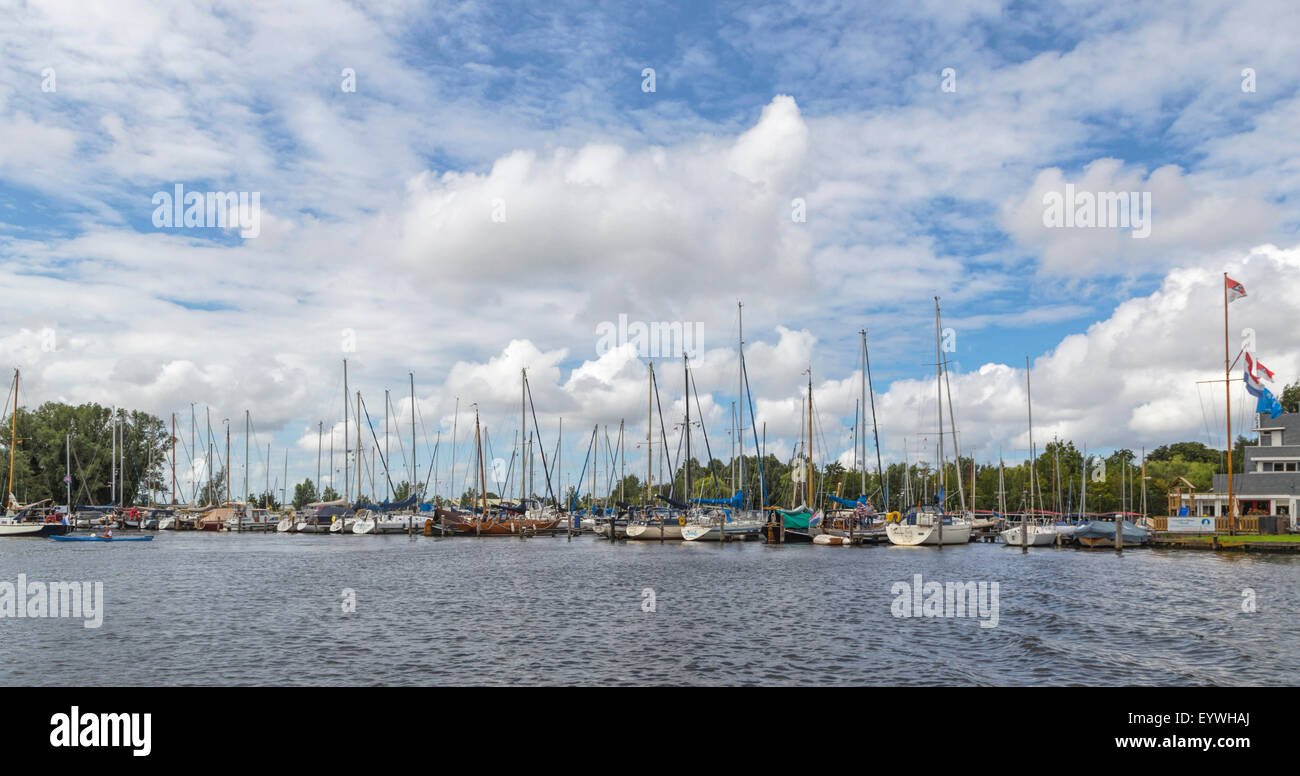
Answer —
664 205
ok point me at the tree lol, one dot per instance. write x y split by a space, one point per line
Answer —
1290 398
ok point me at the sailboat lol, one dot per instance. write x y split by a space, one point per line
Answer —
1030 533
23 519
713 519
927 524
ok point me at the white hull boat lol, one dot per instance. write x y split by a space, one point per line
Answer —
1039 536
831 540
647 531
387 524
16 528
167 524
921 528
285 525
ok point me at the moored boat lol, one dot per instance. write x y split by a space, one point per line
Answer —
1102 534
921 527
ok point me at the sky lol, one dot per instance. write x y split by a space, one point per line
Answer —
453 192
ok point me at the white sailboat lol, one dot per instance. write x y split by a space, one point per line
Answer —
1030 533
928 525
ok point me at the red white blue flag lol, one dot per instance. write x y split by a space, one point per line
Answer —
1258 370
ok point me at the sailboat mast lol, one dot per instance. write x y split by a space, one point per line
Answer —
173 458
1033 476
811 505
650 441
1227 394
740 387
13 442
938 383
359 459
346 478
523 424
388 481
415 472
686 396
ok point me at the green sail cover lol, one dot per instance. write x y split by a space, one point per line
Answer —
795 519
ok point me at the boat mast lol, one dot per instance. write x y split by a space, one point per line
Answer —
246 419
809 489
686 465
13 442
1083 481
1033 476
415 472
388 481
173 458
740 388
938 383
1227 394
359 459
875 430
523 424
346 478
482 484
650 442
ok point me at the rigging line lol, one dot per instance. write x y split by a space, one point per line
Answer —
758 453
663 434
379 450
541 448
700 410
401 447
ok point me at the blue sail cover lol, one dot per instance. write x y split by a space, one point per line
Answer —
735 502
387 506
862 500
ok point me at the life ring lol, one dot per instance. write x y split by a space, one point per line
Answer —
894 517
681 520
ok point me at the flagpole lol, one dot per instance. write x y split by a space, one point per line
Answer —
1227 393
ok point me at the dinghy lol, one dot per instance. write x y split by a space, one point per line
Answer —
101 539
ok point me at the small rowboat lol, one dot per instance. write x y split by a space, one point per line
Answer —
101 539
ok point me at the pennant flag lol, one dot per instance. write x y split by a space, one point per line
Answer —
1257 369
1235 289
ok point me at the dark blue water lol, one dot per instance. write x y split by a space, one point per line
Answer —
201 609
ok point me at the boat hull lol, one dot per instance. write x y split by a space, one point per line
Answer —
653 531
102 539
909 535
33 529
1039 536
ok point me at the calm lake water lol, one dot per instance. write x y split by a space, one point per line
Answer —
203 609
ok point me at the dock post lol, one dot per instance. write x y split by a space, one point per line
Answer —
1119 534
